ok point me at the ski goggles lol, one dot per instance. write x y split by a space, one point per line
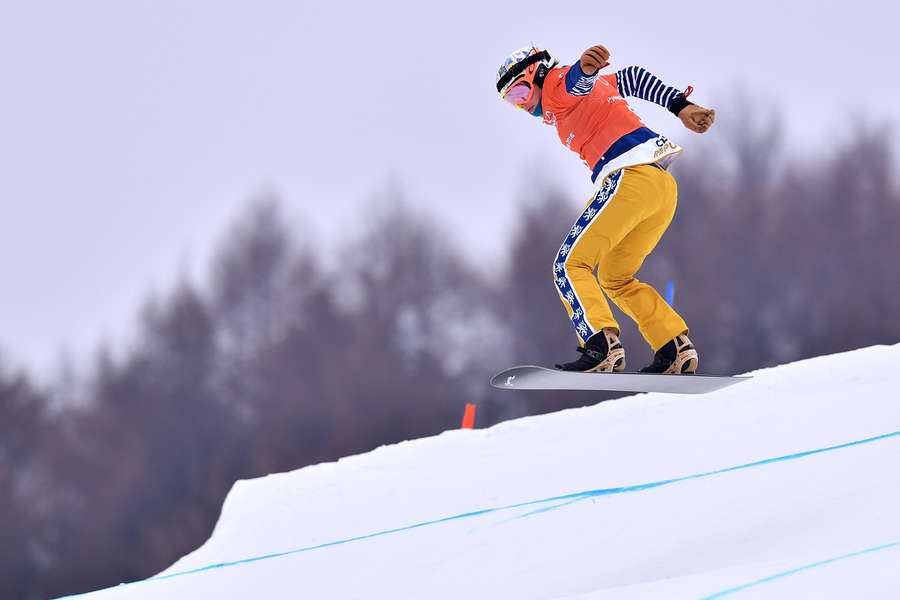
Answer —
519 94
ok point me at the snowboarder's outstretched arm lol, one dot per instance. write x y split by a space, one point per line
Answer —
638 82
641 83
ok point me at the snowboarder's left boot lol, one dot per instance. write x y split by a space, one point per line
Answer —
602 353
677 356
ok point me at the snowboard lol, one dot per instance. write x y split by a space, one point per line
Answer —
530 377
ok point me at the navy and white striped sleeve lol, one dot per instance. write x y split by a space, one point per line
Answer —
577 83
639 82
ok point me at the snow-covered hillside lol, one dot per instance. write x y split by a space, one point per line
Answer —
787 486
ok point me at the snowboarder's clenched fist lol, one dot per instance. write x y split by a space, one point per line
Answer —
696 118
594 59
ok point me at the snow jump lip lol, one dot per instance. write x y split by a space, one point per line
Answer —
559 502
533 377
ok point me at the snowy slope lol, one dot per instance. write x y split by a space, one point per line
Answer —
787 486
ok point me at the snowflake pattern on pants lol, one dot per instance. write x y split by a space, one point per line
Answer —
606 191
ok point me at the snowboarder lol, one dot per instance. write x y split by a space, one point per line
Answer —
632 204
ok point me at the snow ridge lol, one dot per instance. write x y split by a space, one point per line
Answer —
564 500
816 519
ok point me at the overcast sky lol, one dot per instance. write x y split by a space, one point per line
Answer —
132 132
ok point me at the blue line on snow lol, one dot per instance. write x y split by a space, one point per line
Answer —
561 500
796 570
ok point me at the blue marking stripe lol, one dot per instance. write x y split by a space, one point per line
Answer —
807 567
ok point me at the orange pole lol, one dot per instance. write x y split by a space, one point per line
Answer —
468 421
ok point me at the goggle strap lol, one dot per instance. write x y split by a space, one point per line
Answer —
541 75
520 67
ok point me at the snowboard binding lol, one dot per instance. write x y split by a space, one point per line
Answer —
678 356
602 353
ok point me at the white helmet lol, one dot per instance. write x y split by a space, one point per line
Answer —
527 65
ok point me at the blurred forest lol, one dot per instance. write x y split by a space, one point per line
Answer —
281 362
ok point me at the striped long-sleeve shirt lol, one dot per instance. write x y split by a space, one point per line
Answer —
634 81
641 83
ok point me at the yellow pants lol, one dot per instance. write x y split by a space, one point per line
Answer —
620 226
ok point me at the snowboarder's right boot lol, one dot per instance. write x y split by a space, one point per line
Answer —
602 353
678 356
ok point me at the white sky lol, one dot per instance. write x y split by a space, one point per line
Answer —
131 133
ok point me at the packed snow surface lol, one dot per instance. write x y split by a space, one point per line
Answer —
785 486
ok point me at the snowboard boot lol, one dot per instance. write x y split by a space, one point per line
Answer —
678 356
602 353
